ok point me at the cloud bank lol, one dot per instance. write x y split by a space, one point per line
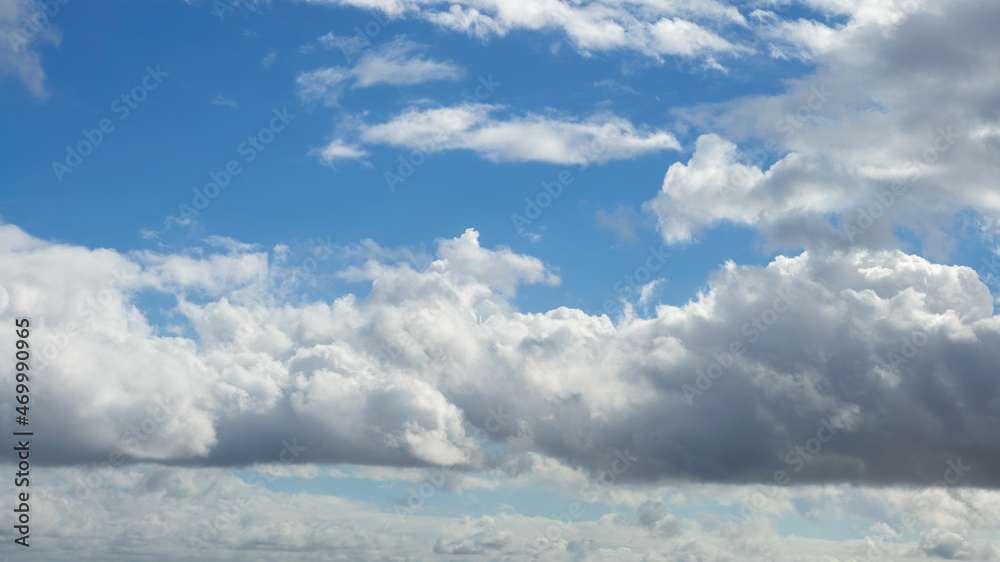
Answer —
893 355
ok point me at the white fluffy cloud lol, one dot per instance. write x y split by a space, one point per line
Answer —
873 343
899 120
500 269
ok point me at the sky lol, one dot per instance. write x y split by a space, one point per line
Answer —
413 280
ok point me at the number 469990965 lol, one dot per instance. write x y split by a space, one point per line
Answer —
21 366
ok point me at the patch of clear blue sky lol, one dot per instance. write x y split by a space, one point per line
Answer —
148 165
388 494
532 502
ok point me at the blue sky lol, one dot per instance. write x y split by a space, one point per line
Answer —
176 137
433 212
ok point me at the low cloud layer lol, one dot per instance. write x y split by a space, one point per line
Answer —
165 514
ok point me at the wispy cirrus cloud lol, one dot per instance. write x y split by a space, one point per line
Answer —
220 99
397 63
653 28
24 27
322 85
525 138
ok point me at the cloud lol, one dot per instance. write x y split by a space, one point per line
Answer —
531 138
680 37
886 357
652 28
269 59
322 85
24 26
890 125
349 45
501 269
622 220
223 100
393 63
147 511
616 86
339 150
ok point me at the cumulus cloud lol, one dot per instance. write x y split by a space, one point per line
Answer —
500 269
899 371
893 124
